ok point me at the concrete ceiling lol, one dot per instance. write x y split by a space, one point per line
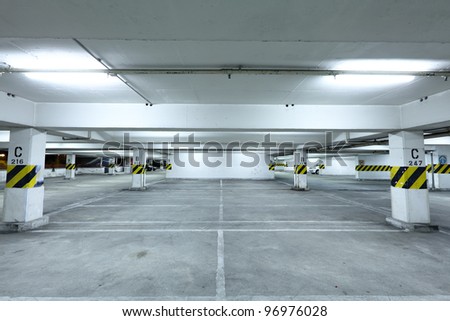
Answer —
223 34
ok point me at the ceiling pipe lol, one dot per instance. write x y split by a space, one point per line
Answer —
230 71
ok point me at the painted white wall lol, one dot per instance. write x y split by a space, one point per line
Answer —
97 170
57 172
2 176
373 160
343 165
228 165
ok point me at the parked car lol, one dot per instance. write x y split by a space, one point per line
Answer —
314 170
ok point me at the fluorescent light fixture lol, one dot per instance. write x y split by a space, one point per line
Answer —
388 65
54 60
2 155
368 80
370 148
83 79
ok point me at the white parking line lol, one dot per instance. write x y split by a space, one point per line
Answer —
209 205
355 203
220 274
214 230
221 203
212 222
145 205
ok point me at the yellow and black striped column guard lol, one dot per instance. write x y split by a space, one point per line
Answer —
322 166
271 167
409 177
373 168
22 176
300 169
138 169
439 168
112 165
70 167
169 167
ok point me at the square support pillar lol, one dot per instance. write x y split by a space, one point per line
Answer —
357 162
127 164
70 167
112 167
138 170
409 193
143 161
300 171
24 191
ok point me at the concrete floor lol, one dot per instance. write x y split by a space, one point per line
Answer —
224 240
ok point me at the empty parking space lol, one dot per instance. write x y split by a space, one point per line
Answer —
223 239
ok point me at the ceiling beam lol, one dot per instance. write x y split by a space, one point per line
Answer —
267 118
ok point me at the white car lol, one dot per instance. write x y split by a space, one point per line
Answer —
314 170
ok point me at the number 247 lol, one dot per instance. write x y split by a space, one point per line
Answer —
415 163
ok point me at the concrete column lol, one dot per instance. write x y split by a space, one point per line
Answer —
70 167
24 190
112 168
138 181
300 171
127 164
409 193
358 162
143 160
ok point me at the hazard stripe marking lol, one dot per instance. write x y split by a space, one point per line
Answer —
321 166
138 169
22 176
169 167
280 165
409 177
271 167
439 168
372 168
300 169
70 167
